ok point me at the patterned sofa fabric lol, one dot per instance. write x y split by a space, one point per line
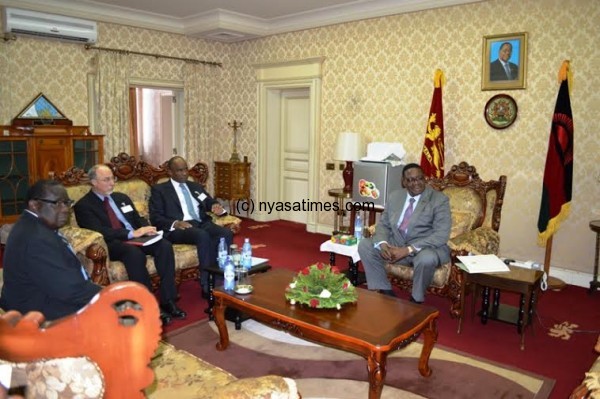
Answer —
181 375
71 377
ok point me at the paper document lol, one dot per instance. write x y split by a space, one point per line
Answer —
258 261
483 264
145 240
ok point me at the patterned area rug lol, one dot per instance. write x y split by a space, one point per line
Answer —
322 372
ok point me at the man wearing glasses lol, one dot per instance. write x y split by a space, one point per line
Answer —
113 215
413 230
41 271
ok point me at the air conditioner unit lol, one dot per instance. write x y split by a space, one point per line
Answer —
33 23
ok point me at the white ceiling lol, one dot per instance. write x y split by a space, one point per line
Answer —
229 20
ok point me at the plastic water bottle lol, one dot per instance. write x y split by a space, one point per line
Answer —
358 227
222 253
229 274
247 254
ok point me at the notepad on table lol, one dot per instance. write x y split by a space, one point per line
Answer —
483 264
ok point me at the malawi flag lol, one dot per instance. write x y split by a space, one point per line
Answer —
558 174
432 158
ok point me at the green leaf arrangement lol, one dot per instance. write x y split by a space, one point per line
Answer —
321 286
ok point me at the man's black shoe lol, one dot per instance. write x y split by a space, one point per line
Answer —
205 294
173 311
413 300
165 318
387 292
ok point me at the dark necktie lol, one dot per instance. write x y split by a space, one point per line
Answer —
188 201
407 214
508 73
68 244
112 216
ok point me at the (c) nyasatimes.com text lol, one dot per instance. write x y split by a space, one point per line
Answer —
300 206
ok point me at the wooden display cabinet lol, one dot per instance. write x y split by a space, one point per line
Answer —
232 182
39 143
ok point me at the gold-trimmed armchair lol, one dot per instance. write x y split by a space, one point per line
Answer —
476 207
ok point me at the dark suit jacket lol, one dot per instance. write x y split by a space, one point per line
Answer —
166 209
41 273
497 71
90 214
429 225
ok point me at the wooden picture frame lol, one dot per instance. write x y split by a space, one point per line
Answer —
496 73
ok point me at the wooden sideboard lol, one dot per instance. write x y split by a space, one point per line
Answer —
33 153
232 182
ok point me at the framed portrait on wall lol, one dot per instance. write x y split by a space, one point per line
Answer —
504 63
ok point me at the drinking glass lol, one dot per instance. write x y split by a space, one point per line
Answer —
243 284
236 255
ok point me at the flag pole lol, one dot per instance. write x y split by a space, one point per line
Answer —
558 172
554 283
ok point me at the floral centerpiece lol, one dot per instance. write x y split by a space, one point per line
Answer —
321 286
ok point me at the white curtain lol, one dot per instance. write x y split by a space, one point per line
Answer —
113 102
199 95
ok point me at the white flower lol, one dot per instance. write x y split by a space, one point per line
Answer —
325 294
338 306
292 301
293 285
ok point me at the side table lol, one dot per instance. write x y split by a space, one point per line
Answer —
340 198
595 284
351 251
213 271
523 281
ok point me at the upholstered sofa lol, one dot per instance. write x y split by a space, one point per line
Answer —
134 178
590 387
476 207
111 350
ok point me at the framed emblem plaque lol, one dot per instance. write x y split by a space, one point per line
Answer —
500 111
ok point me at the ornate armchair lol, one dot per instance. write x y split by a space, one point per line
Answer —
110 349
476 207
122 323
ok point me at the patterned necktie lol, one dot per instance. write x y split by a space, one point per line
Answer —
407 214
188 202
68 244
112 216
508 73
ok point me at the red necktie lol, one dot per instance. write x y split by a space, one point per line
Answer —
407 214
114 220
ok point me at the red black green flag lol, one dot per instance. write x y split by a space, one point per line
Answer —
558 173
432 157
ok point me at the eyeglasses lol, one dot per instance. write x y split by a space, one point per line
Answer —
108 179
415 179
68 203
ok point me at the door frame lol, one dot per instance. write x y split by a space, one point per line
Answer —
272 79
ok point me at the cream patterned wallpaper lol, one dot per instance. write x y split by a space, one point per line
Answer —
377 81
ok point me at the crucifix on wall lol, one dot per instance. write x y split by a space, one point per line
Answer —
235 125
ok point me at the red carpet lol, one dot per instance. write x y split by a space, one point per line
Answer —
288 245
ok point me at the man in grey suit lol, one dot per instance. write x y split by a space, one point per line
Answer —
413 230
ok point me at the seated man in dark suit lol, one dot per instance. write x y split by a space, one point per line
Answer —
179 207
41 271
113 215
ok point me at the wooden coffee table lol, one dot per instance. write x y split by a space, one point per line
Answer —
373 328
